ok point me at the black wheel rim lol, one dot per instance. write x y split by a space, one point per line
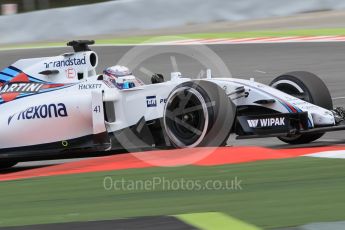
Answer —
186 117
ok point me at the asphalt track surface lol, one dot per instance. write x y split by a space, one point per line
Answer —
140 223
260 61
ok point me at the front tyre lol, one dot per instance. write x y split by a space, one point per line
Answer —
198 113
308 87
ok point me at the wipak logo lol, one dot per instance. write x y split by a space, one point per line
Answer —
266 122
253 123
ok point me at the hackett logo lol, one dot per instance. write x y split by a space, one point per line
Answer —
41 112
266 122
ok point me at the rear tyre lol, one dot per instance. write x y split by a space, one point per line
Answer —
198 113
308 87
7 164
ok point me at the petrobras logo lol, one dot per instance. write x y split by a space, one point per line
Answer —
151 101
266 122
21 87
40 112
65 62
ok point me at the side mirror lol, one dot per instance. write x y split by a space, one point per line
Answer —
157 78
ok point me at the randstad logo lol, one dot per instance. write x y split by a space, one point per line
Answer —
66 62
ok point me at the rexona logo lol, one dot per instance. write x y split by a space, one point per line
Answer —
40 112
66 62
266 122
151 101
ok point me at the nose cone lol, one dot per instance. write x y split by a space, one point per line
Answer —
325 118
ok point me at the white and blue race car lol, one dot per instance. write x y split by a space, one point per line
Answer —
59 107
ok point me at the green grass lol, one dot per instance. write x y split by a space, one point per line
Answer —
153 39
214 221
274 193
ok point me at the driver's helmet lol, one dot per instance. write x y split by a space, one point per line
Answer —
121 77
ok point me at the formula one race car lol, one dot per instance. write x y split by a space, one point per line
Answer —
58 106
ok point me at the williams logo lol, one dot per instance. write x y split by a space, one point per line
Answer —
40 112
151 101
266 122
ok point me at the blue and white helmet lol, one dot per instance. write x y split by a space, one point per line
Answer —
117 71
122 77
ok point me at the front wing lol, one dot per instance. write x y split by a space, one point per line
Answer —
271 124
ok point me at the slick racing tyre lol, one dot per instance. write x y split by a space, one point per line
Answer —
198 113
308 87
7 164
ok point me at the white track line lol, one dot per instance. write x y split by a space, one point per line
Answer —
337 98
258 40
336 154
